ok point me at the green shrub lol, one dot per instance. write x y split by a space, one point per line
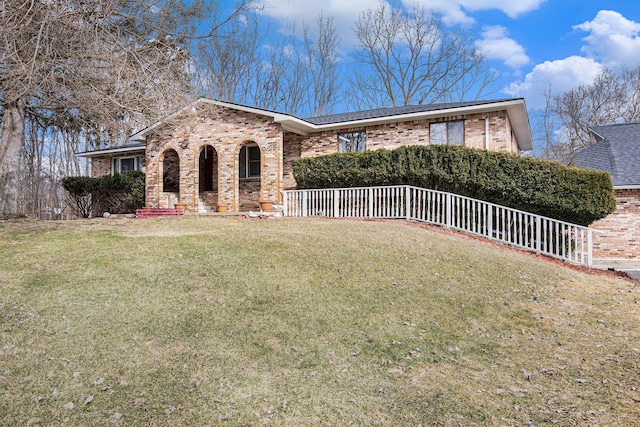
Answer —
79 194
547 188
110 193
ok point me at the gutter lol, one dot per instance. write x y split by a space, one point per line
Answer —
98 153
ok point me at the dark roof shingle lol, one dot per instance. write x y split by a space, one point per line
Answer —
393 111
617 151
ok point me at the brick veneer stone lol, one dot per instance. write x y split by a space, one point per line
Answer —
416 132
100 166
621 237
226 130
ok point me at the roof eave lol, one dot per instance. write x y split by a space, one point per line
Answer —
109 151
627 187
599 137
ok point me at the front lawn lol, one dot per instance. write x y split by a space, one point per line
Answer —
229 321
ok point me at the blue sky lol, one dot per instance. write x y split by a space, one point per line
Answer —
532 43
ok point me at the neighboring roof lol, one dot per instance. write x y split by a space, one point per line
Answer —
131 147
617 151
516 110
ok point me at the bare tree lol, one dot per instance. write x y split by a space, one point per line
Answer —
300 75
230 59
323 60
296 73
546 126
410 57
613 97
98 67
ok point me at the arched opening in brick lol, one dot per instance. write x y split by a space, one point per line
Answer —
170 179
208 177
249 171
171 172
208 169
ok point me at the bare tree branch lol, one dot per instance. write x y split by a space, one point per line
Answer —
410 57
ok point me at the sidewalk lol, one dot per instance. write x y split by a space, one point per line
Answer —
631 266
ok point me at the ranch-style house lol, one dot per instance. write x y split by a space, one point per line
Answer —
213 155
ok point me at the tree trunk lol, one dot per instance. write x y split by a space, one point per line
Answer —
10 150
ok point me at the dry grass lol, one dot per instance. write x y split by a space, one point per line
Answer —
211 321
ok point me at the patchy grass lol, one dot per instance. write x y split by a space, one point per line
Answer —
223 321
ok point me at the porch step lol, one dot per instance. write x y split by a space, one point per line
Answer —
156 213
203 207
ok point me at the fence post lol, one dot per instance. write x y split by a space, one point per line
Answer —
304 202
589 247
335 203
490 222
285 206
448 218
408 202
370 201
538 234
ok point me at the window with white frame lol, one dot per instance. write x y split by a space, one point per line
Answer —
125 164
250 161
447 132
352 141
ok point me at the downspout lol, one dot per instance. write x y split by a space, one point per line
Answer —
486 133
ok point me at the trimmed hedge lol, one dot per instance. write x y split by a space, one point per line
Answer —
110 193
546 188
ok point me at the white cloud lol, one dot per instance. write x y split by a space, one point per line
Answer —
344 12
453 11
614 39
560 75
495 44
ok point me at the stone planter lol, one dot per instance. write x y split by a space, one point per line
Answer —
222 208
180 206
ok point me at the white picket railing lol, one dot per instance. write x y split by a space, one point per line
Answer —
521 229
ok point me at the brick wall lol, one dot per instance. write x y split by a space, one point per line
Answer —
621 237
226 130
249 194
100 166
292 150
416 132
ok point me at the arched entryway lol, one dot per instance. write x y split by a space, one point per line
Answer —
208 178
249 173
170 178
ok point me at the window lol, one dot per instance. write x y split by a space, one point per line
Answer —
352 141
125 164
447 133
250 161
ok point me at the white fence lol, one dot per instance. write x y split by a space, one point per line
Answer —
524 230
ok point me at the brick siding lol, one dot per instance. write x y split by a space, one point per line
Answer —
416 132
100 166
621 237
226 130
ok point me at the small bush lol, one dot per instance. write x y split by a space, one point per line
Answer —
546 188
79 194
110 193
